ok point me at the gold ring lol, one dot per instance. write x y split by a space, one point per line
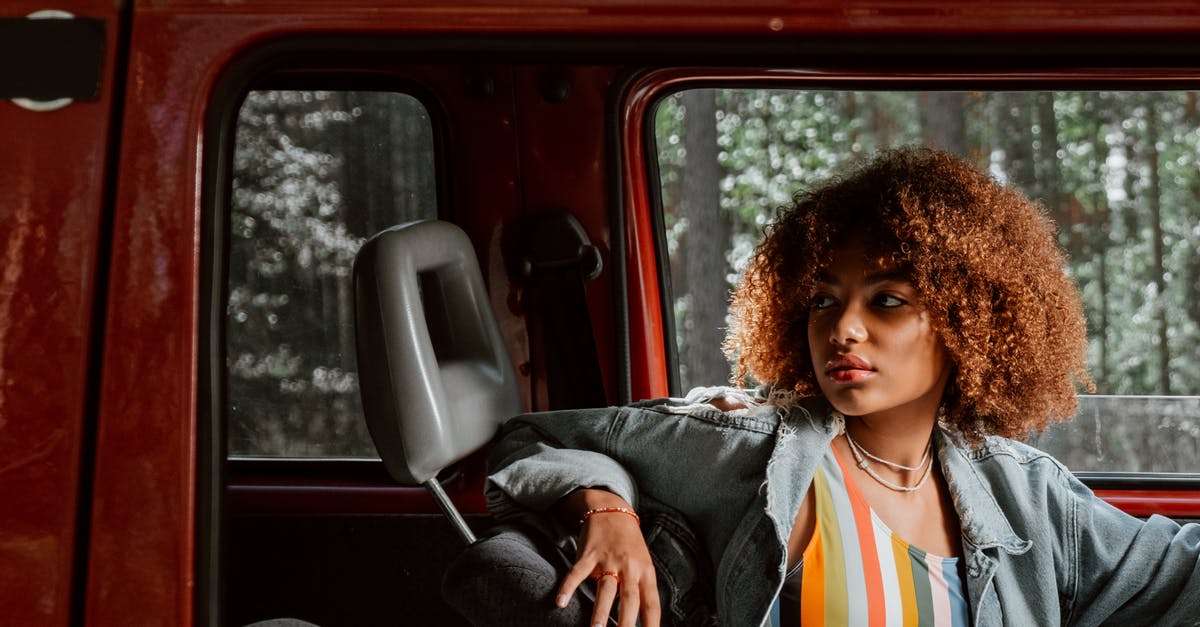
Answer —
608 573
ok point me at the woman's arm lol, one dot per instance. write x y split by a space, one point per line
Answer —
541 458
680 456
555 463
612 551
1130 571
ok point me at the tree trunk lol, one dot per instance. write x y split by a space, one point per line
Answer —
944 121
1016 140
1049 175
850 112
1100 239
1097 241
412 176
704 243
883 121
1191 118
366 149
1154 200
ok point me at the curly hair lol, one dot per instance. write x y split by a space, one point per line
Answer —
982 256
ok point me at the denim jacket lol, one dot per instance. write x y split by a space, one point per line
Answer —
1039 547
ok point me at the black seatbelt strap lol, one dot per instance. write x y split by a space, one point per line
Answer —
558 261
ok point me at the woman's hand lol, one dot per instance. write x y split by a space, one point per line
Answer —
612 551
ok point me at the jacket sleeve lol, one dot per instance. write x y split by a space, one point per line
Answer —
1130 571
540 458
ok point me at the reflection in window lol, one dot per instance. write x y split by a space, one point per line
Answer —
1117 171
315 173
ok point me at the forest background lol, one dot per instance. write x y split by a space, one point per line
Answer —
318 172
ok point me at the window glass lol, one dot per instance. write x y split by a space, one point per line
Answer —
1116 170
315 173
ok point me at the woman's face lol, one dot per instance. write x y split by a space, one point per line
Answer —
873 348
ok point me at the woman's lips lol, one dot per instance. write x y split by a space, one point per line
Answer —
850 375
848 369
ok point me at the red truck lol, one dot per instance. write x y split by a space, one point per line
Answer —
185 184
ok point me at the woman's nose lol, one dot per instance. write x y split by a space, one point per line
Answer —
848 327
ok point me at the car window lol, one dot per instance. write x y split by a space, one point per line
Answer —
315 173
1116 170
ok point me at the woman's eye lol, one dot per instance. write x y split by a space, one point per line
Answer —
821 301
887 300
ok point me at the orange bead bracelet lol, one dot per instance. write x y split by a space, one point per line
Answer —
609 510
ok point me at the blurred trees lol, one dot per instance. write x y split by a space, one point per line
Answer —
1116 170
314 174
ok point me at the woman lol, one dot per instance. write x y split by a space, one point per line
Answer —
909 319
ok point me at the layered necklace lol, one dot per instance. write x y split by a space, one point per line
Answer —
859 453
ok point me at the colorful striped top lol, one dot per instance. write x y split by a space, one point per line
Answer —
856 571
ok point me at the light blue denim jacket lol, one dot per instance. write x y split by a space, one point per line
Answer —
1039 547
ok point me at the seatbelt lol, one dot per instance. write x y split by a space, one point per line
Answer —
558 260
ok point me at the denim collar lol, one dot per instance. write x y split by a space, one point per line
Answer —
983 523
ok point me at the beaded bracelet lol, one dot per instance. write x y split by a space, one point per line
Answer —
609 510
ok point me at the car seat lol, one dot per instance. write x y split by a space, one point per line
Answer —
436 384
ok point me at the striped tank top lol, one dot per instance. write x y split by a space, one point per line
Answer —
856 571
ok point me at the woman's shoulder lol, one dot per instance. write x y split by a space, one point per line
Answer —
1014 462
757 410
1008 486
994 446
717 406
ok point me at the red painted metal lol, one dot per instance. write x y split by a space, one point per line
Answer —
315 495
52 173
782 19
140 562
648 361
481 139
563 164
143 521
1173 503
140 566
315 499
